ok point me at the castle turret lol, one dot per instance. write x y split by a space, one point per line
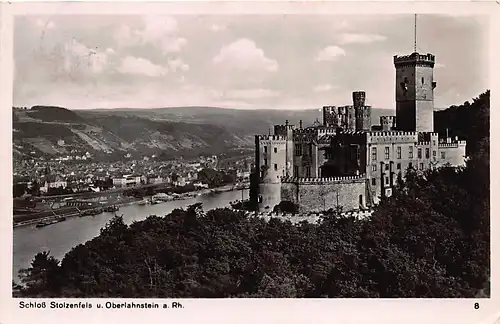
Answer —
415 92
271 166
330 116
388 123
363 113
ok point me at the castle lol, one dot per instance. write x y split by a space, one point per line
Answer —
348 162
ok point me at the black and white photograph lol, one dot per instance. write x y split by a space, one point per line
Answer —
248 156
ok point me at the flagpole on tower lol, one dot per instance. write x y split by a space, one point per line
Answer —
415 35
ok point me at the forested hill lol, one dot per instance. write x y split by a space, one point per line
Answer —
469 121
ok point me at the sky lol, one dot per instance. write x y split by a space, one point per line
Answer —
239 61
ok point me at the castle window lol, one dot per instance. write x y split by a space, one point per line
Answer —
374 181
275 150
398 152
443 155
265 161
410 152
386 180
422 80
410 165
275 167
386 167
419 154
265 149
361 199
298 149
427 153
398 166
386 151
259 199
374 167
421 166
296 171
434 153
374 154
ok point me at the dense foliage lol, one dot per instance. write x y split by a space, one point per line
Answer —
216 178
430 239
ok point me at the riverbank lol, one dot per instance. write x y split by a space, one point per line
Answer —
133 201
61 237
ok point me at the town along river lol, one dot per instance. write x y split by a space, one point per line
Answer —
61 237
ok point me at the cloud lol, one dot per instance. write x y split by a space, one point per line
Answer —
323 87
159 31
125 36
172 45
217 28
330 53
439 65
244 55
141 66
157 27
45 24
80 58
352 38
251 94
177 64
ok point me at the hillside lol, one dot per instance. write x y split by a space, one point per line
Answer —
469 121
172 131
53 131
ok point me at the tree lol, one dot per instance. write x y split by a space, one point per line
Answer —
42 277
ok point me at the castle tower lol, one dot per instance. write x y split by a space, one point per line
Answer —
351 119
286 131
330 116
388 123
270 165
415 92
358 98
362 112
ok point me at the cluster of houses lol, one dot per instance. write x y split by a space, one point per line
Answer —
97 176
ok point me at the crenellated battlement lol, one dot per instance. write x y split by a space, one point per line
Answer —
452 144
392 133
330 180
423 143
309 130
387 119
415 58
270 138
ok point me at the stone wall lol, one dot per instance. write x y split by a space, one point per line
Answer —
316 196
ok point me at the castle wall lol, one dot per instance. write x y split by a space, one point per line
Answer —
424 116
322 194
452 153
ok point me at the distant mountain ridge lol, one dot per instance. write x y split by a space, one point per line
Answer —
51 130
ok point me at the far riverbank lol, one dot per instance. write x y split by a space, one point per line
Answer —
74 212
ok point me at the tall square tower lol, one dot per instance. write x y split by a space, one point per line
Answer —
415 92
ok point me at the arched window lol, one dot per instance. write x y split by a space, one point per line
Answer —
361 199
422 80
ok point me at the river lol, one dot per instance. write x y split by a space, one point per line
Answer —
61 237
